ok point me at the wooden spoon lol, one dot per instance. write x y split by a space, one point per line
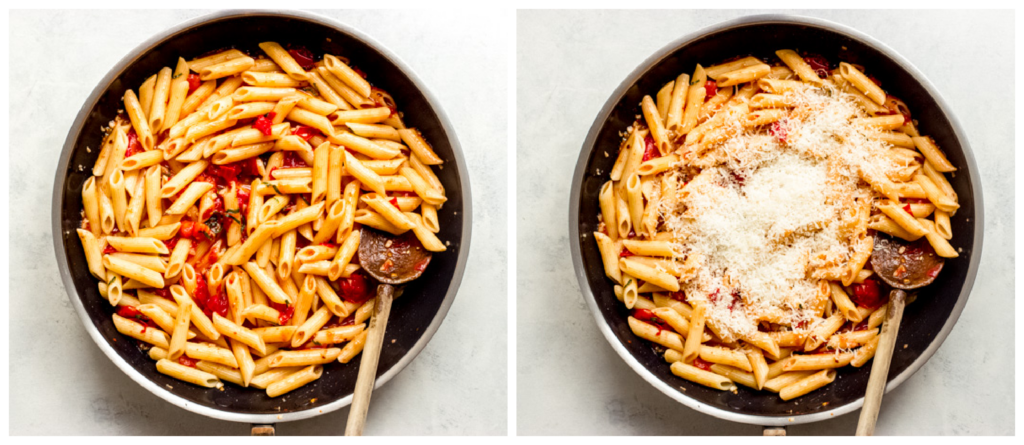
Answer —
390 260
903 266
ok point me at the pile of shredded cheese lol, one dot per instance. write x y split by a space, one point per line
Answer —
768 211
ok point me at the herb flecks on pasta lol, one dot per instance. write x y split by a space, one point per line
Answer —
741 212
224 211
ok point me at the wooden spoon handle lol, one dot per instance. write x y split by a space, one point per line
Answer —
368 363
880 364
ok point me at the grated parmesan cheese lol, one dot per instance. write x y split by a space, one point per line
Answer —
763 213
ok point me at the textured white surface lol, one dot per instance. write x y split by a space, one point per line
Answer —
65 385
570 381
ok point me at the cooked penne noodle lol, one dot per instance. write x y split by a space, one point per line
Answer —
688 225
203 188
294 381
187 374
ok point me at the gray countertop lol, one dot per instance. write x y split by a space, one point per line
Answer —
63 384
569 379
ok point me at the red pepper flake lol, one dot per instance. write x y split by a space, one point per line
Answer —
900 271
263 123
185 360
710 89
394 202
304 57
193 83
907 208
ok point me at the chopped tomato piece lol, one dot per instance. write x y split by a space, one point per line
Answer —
187 229
907 208
134 147
109 249
867 294
818 63
165 293
227 172
650 149
648 316
264 122
625 253
355 288
304 57
710 88
129 312
286 311
193 82
305 132
702 364
394 202
185 360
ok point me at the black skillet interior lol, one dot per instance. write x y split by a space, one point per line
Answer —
422 298
922 320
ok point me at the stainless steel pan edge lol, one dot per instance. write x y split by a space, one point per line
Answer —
61 254
574 209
